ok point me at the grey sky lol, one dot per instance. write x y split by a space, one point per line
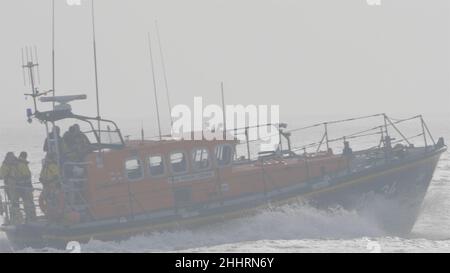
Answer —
309 56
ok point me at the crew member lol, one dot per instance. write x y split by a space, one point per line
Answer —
51 199
50 171
77 143
50 144
347 150
8 173
25 187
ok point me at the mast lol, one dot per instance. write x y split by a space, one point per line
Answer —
96 71
53 51
29 65
142 132
169 104
224 112
154 85
55 136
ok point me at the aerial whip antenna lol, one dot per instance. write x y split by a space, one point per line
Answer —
23 70
224 112
27 54
142 132
154 85
37 62
31 67
169 104
53 52
96 71
30 49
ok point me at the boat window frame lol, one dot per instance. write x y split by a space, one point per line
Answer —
172 172
230 163
210 160
141 168
163 164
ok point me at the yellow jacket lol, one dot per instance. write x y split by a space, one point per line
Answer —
49 173
8 171
23 171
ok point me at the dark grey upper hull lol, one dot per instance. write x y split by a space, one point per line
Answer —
392 194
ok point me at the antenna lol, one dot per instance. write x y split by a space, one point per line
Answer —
27 54
142 131
32 68
96 71
169 105
224 112
37 62
23 69
53 51
31 53
154 85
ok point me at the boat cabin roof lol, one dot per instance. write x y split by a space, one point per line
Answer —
169 143
174 144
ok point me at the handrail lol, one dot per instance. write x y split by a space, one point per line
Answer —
359 134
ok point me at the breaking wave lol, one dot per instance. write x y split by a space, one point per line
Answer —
276 226
290 222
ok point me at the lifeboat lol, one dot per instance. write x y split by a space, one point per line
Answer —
110 187
121 187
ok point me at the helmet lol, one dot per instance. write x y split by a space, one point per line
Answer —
10 157
76 128
23 155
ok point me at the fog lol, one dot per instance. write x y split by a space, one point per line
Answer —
311 57
314 60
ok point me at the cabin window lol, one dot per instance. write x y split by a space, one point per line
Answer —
224 155
134 169
178 162
200 159
156 165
